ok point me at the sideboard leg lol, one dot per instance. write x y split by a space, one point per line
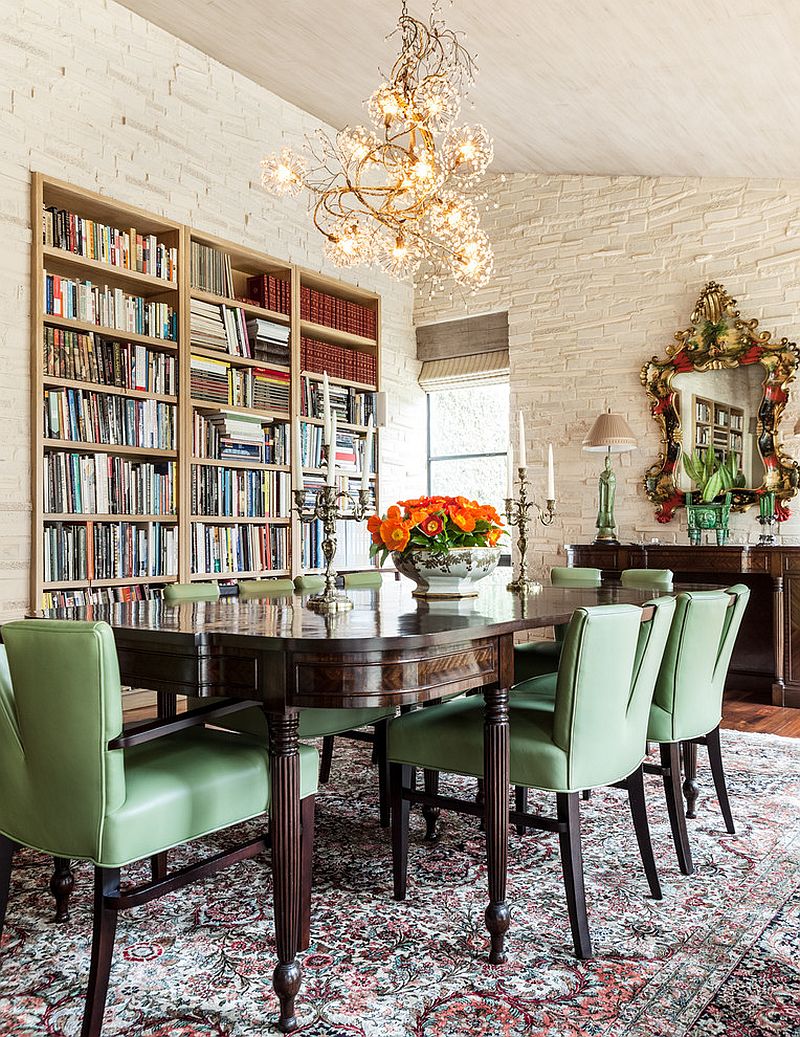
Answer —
778 640
691 789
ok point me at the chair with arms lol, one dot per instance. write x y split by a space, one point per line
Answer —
594 736
80 788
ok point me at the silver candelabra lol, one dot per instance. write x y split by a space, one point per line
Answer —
518 514
327 510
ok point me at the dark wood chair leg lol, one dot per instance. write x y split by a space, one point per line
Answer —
521 805
587 794
62 883
400 778
381 747
326 760
7 848
431 813
718 774
671 759
569 839
691 789
106 884
306 869
638 805
158 866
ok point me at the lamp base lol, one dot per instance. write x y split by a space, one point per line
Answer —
335 603
605 540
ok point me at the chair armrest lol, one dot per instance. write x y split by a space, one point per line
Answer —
148 731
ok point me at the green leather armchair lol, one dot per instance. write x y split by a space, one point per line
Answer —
594 735
76 786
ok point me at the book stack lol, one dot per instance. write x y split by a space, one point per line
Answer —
237 493
229 437
238 548
271 389
271 292
123 550
87 484
269 341
352 406
333 312
66 555
69 599
110 307
210 270
209 380
127 249
259 388
219 327
86 357
84 416
348 364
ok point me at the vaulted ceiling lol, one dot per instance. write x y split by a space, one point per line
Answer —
686 87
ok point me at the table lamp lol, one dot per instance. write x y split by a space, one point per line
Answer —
611 433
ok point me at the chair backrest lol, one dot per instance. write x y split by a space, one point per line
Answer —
692 677
647 579
575 576
58 777
372 578
306 582
606 678
176 592
264 588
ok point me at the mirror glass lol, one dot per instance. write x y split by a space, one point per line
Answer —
720 407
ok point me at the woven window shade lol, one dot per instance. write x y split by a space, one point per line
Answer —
460 371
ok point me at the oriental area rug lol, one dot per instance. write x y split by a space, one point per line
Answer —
719 956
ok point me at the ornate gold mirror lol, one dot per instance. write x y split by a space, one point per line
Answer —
722 384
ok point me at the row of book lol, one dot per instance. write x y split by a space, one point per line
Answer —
352 546
108 307
89 596
259 388
104 484
348 364
219 327
239 493
109 551
333 312
271 292
87 357
223 436
314 481
350 449
353 406
269 341
84 416
103 243
210 270
239 548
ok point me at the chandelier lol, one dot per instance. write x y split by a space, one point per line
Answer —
403 193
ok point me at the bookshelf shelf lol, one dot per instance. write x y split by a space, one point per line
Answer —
360 386
247 575
343 472
51 381
259 466
249 308
80 517
112 333
346 426
107 448
239 361
142 284
230 408
235 520
339 338
132 581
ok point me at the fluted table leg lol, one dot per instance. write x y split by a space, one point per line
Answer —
285 834
496 782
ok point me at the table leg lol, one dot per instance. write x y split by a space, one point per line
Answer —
285 833
496 781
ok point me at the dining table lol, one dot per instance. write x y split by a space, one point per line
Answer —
390 649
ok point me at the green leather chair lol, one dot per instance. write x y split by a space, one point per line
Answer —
687 705
309 582
76 786
536 657
647 579
177 592
264 588
595 735
372 578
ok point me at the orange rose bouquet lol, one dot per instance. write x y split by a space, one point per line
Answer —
436 524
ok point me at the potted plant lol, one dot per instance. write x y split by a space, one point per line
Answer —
444 544
713 477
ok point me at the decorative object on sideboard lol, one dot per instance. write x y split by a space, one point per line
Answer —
443 544
723 384
402 193
612 434
714 478
768 519
518 510
706 517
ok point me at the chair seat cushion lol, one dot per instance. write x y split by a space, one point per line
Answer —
188 784
535 658
540 689
449 738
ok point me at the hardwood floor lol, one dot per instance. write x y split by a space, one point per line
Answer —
745 713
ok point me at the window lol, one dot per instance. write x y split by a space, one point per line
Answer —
468 442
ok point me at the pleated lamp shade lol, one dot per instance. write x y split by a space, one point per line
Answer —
610 432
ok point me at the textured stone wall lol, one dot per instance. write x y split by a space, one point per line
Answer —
93 94
597 273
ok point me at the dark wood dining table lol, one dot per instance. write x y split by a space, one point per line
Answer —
391 649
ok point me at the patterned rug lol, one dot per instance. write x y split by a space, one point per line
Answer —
720 955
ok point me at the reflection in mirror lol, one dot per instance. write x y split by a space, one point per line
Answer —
720 408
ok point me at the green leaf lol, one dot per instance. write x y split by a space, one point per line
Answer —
712 487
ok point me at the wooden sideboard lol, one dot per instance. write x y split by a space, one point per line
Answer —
767 653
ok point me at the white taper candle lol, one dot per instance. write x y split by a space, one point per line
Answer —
367 461
332 453
551 474
523 457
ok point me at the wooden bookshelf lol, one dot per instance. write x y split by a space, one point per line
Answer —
720 425
178 294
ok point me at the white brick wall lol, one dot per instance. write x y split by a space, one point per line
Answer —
597 273
93 94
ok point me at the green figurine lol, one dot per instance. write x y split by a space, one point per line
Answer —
605 515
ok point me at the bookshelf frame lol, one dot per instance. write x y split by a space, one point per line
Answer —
46 190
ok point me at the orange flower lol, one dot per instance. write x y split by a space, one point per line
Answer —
464 519
374 526
493 536
432 525
394 532
417 517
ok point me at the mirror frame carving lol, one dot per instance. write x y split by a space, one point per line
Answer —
720 338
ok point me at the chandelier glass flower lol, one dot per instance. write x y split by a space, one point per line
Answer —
403 192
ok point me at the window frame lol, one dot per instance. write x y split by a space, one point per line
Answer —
451 457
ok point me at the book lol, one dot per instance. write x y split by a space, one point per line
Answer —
109 307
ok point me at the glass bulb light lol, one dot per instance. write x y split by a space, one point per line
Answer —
284 173
468 150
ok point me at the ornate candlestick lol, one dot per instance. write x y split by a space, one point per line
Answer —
327 510
518 514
